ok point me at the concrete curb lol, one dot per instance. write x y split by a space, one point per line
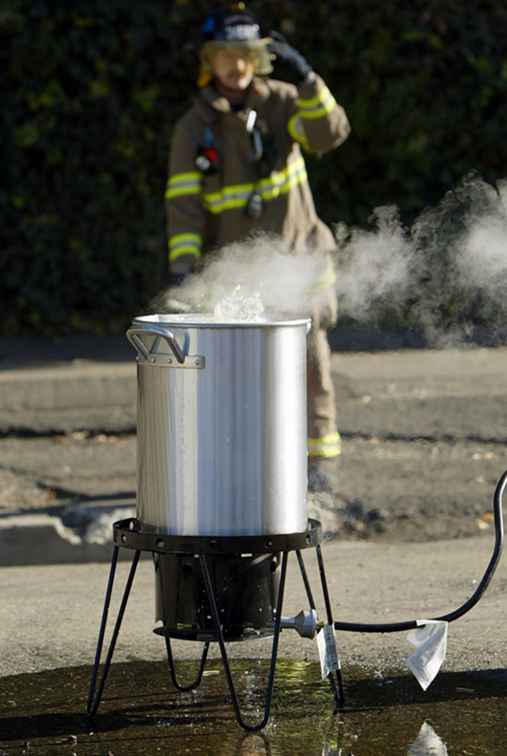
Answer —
81 533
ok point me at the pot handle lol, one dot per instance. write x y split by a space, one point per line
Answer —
133 335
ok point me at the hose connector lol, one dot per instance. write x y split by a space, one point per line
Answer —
305 623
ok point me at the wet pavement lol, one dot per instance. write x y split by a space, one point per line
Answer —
462 713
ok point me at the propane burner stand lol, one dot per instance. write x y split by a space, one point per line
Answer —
206 551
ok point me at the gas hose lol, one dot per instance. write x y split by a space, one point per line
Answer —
395 627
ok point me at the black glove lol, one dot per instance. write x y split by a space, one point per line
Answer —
289 65
181 268
175 279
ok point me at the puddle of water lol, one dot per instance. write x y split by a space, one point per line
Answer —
462 713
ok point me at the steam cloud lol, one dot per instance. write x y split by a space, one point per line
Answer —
462 262
448 270
375 266
258 278
483 262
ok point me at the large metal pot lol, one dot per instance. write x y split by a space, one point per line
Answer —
221 423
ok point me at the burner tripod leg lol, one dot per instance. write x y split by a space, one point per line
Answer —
170 658
336 684
336 681
95 697
172 668
220 637
306 582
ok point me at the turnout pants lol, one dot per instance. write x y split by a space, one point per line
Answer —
323 437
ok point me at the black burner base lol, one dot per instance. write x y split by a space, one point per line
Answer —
245 587
234 636
201 609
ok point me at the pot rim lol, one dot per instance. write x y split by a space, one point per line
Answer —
208 320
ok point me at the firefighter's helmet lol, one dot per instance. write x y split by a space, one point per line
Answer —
233 26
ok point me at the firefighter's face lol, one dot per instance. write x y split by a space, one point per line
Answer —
234 67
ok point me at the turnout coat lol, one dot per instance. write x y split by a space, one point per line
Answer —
213 169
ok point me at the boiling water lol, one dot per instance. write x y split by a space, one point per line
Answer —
239 305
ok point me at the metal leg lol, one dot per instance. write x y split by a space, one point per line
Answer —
94 698
170 658
336 682
220 637
103 622
172 668
304 575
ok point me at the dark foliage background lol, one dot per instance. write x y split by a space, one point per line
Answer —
91 90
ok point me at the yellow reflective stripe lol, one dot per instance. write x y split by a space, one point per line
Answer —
278 178
177 178
325 446
331 438
181 184
297 131
322 105
319 113
232 189
235 196
178 238
175 253
315 114
289 183
229 194
327 453
330 276
218 206
184 244
181 191
230 205
311 102
326 280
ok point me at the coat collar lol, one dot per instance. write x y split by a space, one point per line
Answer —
258 93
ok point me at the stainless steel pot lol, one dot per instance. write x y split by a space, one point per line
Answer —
221 422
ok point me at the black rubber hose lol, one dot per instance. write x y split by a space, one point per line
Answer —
394 627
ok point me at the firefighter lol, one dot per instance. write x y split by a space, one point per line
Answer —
236 167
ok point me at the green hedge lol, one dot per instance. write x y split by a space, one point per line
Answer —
91 90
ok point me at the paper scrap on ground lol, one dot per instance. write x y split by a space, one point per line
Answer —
430 641
326 642
427 743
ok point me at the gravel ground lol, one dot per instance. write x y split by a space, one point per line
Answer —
38 472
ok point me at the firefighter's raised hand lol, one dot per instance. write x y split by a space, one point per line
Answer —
175 279
180 269
290 65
